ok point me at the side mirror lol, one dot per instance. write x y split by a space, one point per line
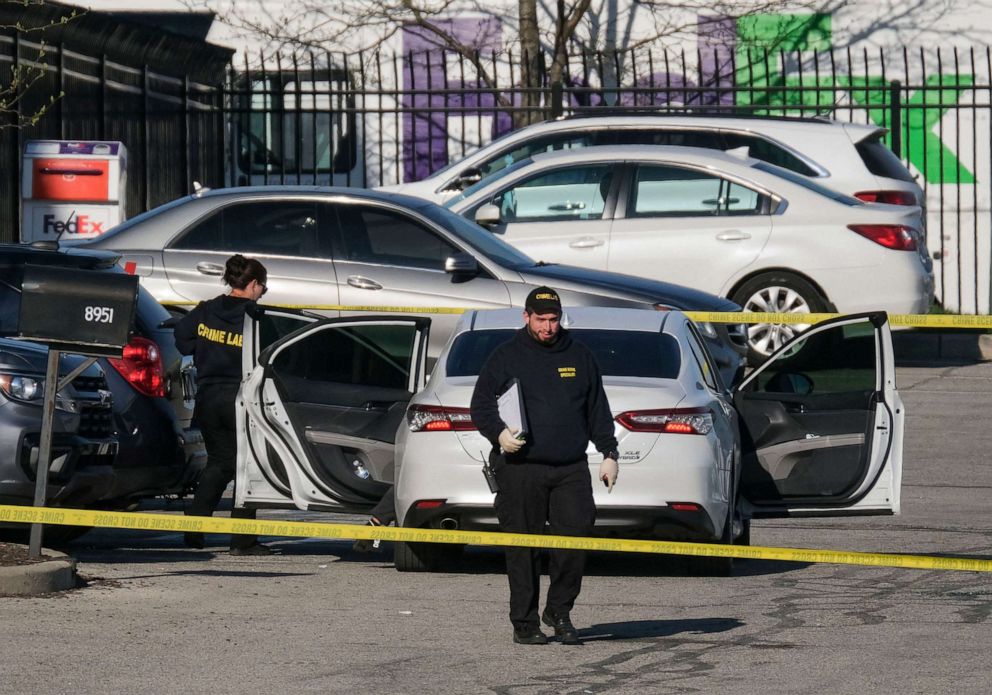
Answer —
466 179
488 215
461 264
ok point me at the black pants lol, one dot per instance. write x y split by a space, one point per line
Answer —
385 509
215 416
530 495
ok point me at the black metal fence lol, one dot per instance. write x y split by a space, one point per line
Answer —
362 119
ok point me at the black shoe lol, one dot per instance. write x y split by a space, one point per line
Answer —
564 630
364 545
194 540
529 635
254 549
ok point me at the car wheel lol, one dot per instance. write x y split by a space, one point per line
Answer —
702 566
424 557
780 293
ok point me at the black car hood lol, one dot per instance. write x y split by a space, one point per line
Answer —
676 296
32 358
23 357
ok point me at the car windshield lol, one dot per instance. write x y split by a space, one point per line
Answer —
147 215
478 238
617 352
801 180
487 180
461 161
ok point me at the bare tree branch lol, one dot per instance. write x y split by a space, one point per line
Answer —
16 86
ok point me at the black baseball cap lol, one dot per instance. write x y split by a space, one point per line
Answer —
543 300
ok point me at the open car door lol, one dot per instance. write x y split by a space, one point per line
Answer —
822 424
320 406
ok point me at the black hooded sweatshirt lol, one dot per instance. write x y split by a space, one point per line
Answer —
564 402
212 334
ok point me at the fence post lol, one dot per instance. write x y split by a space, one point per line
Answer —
145 135
895 116
187 158
557 97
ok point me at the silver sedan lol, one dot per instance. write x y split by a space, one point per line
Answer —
325 248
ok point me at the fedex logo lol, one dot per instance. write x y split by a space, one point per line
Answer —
74 225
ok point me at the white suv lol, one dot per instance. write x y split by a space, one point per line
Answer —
847 157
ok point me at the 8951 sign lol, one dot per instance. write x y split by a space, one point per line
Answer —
98 314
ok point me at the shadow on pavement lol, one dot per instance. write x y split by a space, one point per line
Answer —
642 629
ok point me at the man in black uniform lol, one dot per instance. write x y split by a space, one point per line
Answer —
545 478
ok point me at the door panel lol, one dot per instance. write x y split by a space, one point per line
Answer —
284 234
325 403
561 215
385 258
677 221
818 423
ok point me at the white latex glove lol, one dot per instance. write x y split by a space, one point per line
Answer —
608 471
508 441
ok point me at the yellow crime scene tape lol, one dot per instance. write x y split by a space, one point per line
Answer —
305 529
972 321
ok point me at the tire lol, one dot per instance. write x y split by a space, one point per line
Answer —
424 557
778 292
702 566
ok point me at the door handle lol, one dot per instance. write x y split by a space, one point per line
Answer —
733 235
363 283
209 268
586 242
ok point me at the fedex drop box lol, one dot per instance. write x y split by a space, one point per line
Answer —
72 190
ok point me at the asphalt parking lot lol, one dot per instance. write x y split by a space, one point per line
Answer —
318 617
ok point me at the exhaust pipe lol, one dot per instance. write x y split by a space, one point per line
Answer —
449 524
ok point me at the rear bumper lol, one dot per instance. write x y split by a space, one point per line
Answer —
655 523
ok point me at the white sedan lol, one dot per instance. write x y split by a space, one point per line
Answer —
332 411
763 236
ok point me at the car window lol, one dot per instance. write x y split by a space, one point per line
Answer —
546 143
699 354
675 191
478 238
681 138
617 352
10 308
149 313
836 360
368 356
277 228
375 235
569 193
881 161
807 183
273 327
766 151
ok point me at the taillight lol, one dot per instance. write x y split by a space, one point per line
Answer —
668 420
141 366
429 504
891 236
888 197
435 418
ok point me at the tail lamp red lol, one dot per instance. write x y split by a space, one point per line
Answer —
141 366
892 236
436 418
668 420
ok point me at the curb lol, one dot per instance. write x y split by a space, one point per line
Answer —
55 574
932 345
